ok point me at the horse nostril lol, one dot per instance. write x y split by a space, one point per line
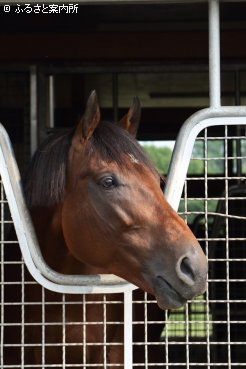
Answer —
184 271
186 268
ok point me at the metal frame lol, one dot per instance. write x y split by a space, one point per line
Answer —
230 115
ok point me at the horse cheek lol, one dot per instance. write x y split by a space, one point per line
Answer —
72 226
82 236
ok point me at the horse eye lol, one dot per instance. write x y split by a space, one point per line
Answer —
108 182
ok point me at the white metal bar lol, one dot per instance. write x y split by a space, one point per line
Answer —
105 363
33 110
51 104
128 330
2 278
227 251
214 54
84 331
43 325
206 242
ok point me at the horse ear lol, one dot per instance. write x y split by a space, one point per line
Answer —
131 120
88 122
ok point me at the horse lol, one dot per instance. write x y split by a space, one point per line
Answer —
97 207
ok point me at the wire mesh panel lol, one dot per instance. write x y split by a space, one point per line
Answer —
210 331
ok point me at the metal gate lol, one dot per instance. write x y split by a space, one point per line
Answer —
208 332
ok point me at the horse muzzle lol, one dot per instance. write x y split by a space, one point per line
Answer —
186 281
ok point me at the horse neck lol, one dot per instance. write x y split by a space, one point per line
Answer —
48 227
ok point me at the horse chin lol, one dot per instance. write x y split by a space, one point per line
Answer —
167 297
167 303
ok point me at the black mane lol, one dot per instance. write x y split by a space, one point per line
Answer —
45 182
45 178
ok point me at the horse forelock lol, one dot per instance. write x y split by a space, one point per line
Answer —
112 143
45 181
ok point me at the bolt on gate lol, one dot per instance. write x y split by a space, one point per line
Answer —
208 332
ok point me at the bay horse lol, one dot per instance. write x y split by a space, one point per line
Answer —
97 207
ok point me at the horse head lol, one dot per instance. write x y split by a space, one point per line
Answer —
115 216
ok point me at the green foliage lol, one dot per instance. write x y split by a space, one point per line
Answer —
196 167
209 158
199 322
214 155
160 157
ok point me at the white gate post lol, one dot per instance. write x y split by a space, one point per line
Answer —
128 329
